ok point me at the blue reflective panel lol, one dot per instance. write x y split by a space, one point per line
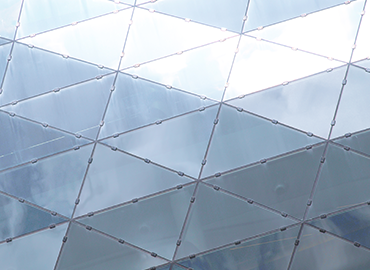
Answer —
307 104
40 15
260 64
241 138
136 102
322 251
4 53
203 71
52 183
359 142
154 35
36 251
363 40
217 13
284 183
3 41
153 224
179 143
18 218
9 13
32 71
81 105
99 40
351 225
24 141
93 251
310 33
268 252
264 12
115 177
344 181
354 107
217 218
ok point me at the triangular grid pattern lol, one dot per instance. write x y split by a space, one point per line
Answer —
183 134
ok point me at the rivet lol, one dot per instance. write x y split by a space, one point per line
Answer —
52 226
8 240
45 125
347 148
216 187
309 202
237 243
135 76
274 121
239 109
65 238
309 134
153 254
77 201
135 200
347 135
322 160
179 187
308 147
263 161
180 173
147 160
323 216
215 121
90 214
218 174
357 244
76 148
21 200
329 70
284 214
178 243
282 229
204 161
192 256
121 241
250 201
158 122
296 243
90 160
89 228
192 200
114 148
201 109
322 231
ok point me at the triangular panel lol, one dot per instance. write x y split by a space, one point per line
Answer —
24 141
52 183
284 184
219 13
217 219
344 181
19 218
268 252
37 251
139 224
40 15
321 251
115 177
241 138
81 105
166 35
260 64
99 40
307 104
354 104
169 143
136 102
262 13
27 77
202 71
9 13
317 33
89 250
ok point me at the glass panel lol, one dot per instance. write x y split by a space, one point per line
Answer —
275 183
260 65
88 250
202 71
41 15
35 251
23 141
354 104
52 183
137 102
217 219
115 177
82 107
344 181
166 34
264 12
9 15
351 225
217 13
363 39
311 33
269 252
364 63
179 143
99 40
4 53
307 104
27 77
359 142
153 224
322 251
241 138
3 40
18 218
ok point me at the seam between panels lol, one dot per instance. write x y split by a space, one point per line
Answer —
94 147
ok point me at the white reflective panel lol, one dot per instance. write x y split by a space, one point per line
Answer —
42 15
217 13
265 12
35 251
260 64
99 40
9 12
202 71
330 32
154 35
363 40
